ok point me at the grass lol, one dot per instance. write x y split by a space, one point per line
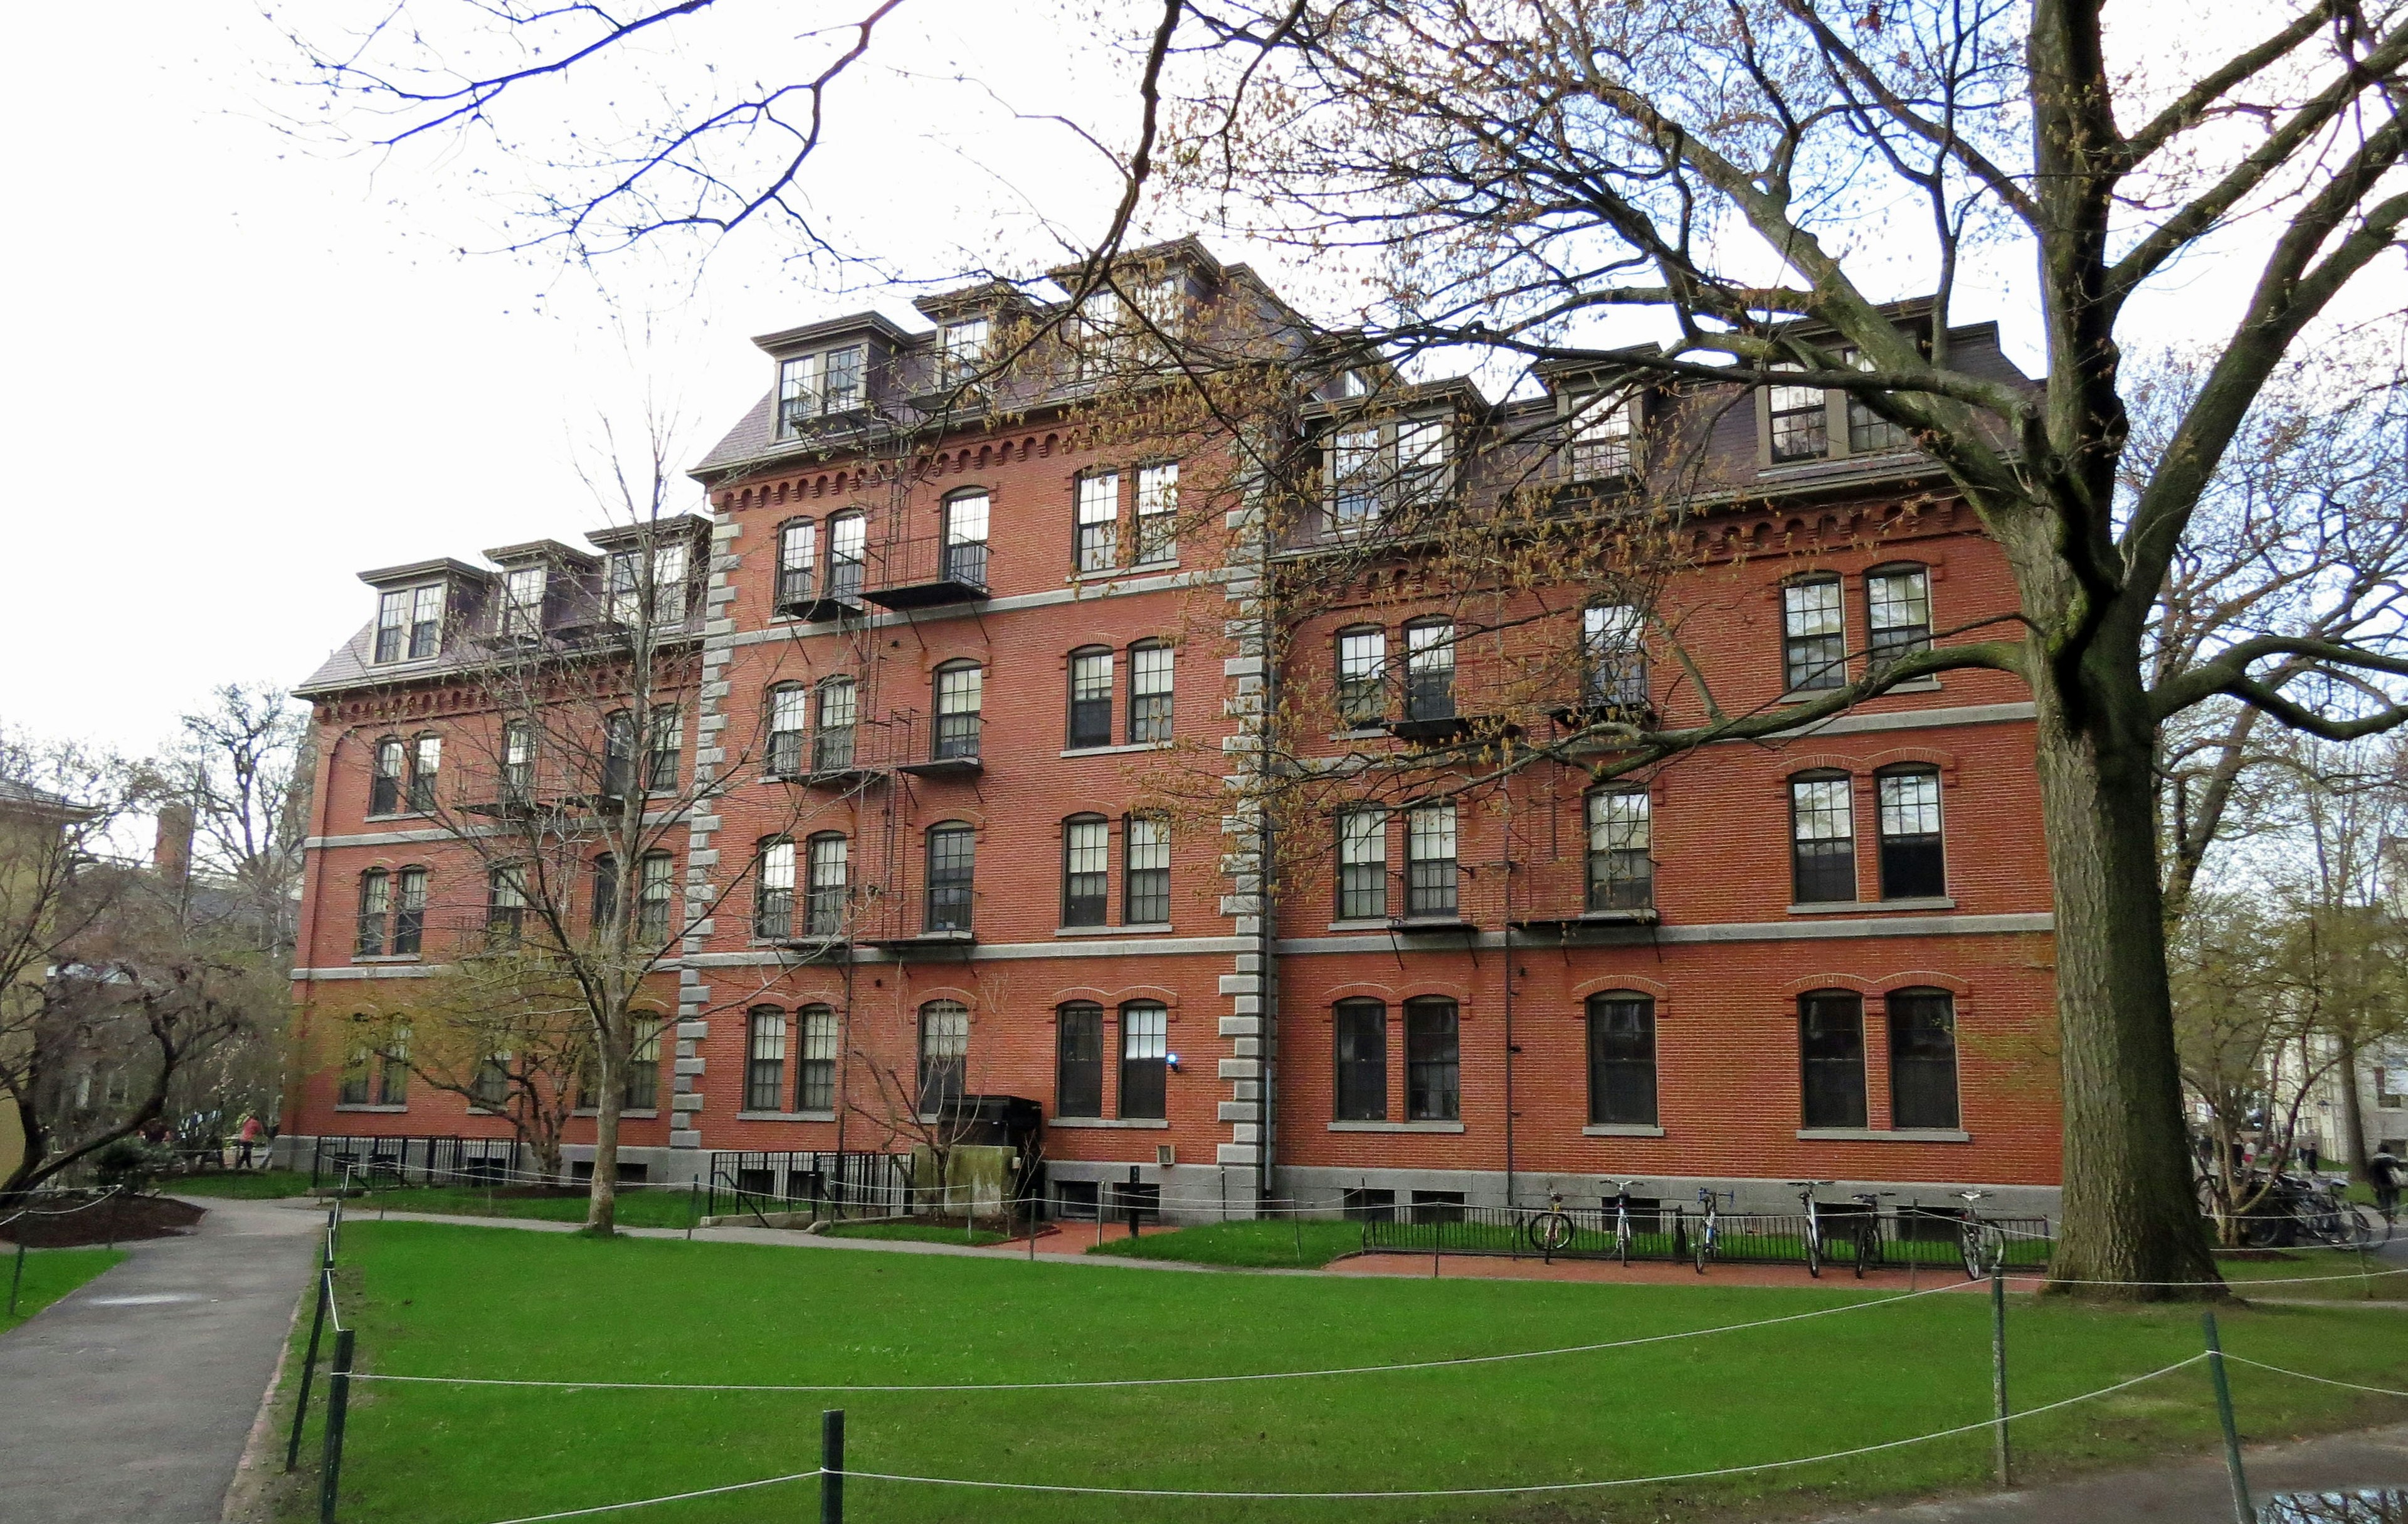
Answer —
431 1299
240 1184
638 1208
49 1275
916 1233
2321 1274
1251 1244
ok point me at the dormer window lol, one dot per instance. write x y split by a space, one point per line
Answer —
668 591
1118 326
810 386
1354 383
1601 437
409 623
1375 468
1800 420
523 592
962 348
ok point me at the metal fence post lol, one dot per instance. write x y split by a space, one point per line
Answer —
2242 1512
1132 1202
309 1364
832 1466
1998 1364
17 1277
339 1395
693 1205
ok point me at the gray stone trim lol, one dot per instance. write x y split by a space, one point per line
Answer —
996 952
1856 722
1052 597
1617 936
371 970
1321 1183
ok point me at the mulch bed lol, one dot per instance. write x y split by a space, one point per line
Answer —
114 1221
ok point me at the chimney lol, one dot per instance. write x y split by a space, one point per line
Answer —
172 853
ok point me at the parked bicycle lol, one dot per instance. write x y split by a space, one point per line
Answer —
1620 1202
1551 1231
1812 1237
1981 1244
1709 1236
2286 1209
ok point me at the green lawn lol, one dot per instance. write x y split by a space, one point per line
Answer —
49 1275
429 1299
916 1233
240 1184
2325 1274
638 1208
1253 1244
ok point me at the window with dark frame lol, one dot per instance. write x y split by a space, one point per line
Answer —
1898 613
1831 1059
666 738
1869 432
1801 421
1621 1059
1433 1060
351 1087
798 546
812 386
848 547
961 349
425 768
655 893
1362 676
1814 635
1823 838
1079 1060
1621 841
1614 657
828 857
618 754
1157 514
409 623
1145 1051
1921 1060
773 890
408 912
1361 1053
1150 680
951 853
790 707
1601 437
832 737
1429 671
1430 871
1913 861
376 904
815 1071
966 546
961 695
393 1069
1091 699
1087 870
1097 543
518 762
522 595
489 1088
605 891
641 1090
1145 874
1362 864
764 1059
505 905
384 779
944 1052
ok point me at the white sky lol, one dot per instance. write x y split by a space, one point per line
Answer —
239 370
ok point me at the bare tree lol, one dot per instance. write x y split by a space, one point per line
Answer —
241 770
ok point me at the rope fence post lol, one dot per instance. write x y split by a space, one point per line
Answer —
2243 1513
339 1396
832 1466
17 1277
309 1364
693 1205
1998 1364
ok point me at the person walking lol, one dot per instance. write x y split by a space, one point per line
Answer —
2382 1171
245 1138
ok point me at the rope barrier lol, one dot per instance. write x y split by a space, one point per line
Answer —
2302 1376
1173 1381
111 1193
673 1497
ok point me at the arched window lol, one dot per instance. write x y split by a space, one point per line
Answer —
788 712
1433 1060
408 912
1898 613
830 860
1091 697
618 753
376 904
832 748
1079 1059
1145 1060
773 889
1912 862
1621 1059
848 542
1362 675
1813 634
426 765
384 778
1922 1058
815 1075
655 894
965 523
961 693
1361 1054
798 555
952 849
1087 870
1821 838
1149 679
944 1052
1621 839
1429 671
1831 1059
765 1059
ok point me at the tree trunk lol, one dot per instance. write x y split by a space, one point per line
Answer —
2128 1213
602 1204
2352 1116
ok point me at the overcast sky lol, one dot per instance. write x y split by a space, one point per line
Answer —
240 370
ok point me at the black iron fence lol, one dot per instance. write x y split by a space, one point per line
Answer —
417 1161
825 1185
1910 1235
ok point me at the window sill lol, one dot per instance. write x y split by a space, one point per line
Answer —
645 1115
1865 907
785 1117
1621 1129
1118 751
1363 732
387 958
1143 928
364 1106
1396 1126
1139 1122
1878 1135
1375 922
1918 684
401 814
1117 574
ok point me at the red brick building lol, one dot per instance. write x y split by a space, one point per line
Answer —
973 666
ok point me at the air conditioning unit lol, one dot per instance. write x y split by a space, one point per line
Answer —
1166 1155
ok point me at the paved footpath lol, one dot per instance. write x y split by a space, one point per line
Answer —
132 1397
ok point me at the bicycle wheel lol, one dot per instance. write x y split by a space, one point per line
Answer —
1550 1231
1867 1247
1701 1247
1622 1239
2370 1228
1969 1248
1811 1241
